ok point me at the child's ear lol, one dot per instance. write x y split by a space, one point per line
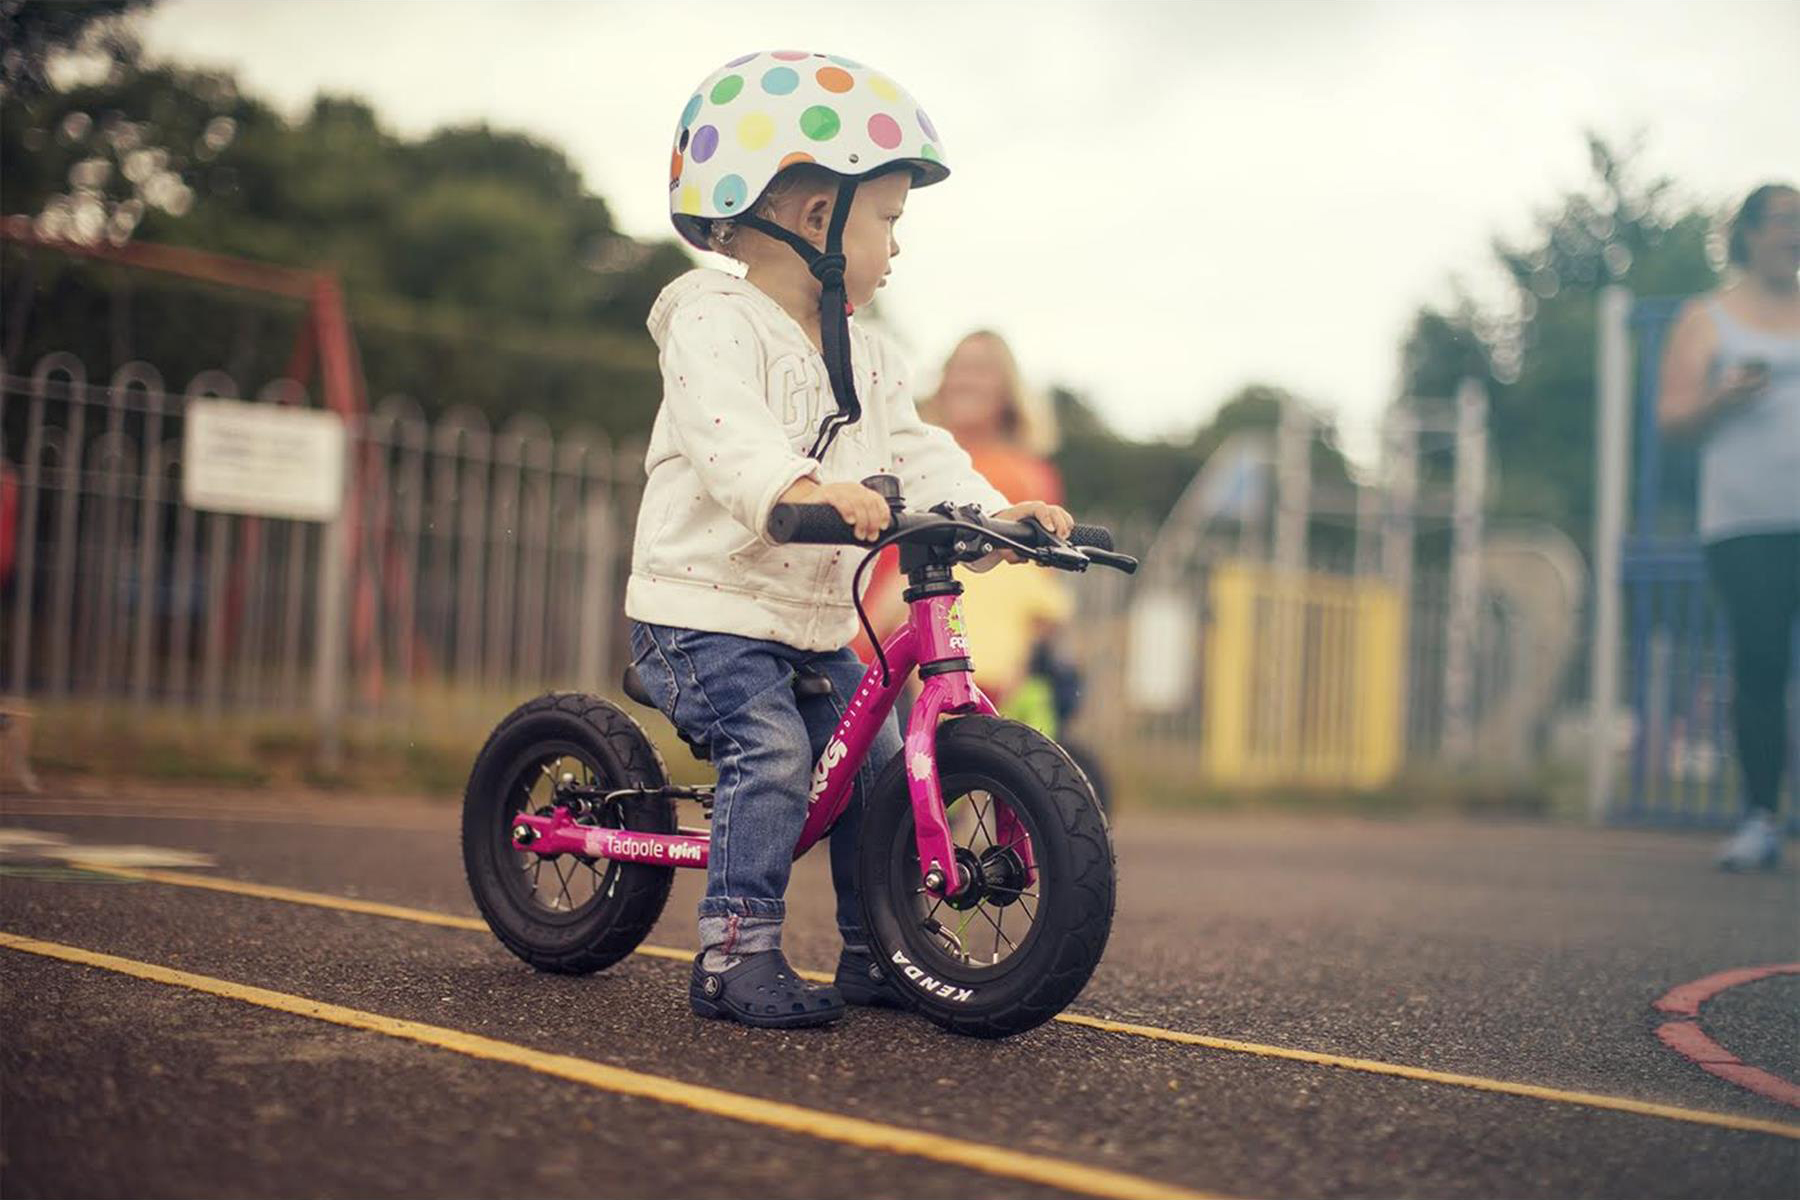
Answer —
815 218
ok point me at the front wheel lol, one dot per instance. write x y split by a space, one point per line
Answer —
1019 945
1093 768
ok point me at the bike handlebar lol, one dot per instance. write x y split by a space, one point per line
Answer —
820 524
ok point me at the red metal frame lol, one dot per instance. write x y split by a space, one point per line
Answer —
325 341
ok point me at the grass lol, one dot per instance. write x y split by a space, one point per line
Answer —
429 755
390 757
1421 791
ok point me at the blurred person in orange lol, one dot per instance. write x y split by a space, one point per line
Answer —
1008 430
1731 380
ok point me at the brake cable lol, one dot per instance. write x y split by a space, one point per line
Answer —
901 535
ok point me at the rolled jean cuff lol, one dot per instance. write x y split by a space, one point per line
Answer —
733 934
743 906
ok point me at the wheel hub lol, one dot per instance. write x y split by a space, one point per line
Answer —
995 877
974 887
1002 875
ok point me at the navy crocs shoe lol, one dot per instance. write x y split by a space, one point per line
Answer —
864 981
762 990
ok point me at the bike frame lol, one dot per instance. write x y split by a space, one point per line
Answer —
933 636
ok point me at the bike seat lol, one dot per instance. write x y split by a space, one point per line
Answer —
634 688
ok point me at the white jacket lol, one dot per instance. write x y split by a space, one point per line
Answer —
743 395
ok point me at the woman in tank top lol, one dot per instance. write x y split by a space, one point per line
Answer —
1731 378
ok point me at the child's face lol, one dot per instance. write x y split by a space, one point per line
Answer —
869 244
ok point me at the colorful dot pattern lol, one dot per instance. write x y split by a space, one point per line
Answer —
764 112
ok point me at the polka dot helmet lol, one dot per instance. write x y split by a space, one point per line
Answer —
763 112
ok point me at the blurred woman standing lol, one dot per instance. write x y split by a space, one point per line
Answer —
1009 432
1731 378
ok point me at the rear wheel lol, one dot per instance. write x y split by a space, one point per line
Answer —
1017 946
565 913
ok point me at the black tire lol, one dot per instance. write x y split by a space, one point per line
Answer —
611 906
1091 766
1070 916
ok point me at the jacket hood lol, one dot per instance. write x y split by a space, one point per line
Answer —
701 281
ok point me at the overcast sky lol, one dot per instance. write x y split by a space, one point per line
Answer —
1157 201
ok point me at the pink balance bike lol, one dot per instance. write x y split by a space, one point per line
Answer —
986 864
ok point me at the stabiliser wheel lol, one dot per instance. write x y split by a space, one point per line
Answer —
569 914
1002 955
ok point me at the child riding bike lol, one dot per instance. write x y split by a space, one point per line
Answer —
798 166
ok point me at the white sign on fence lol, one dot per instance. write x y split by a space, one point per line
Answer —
263 460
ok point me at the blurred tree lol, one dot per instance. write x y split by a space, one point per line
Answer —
479 270
34 33
1536 357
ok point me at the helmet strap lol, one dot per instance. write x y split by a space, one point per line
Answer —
834 310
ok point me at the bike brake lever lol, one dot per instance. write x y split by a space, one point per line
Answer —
1118 562
1065 557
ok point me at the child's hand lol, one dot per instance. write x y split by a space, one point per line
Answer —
860 507
1053 517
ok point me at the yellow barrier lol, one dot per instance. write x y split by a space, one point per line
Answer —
1302 679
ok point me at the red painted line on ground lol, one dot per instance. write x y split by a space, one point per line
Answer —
1686 1000
1687 1039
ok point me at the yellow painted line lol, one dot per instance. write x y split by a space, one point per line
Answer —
752 1110
1644 1108
369 908
266 814
1477 1082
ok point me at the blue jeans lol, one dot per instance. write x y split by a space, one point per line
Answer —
735 696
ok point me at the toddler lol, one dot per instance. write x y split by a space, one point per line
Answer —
797 165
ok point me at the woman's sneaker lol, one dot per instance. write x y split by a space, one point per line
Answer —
861 979
762 990
1755 844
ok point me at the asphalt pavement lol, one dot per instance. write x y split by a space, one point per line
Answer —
1288 1007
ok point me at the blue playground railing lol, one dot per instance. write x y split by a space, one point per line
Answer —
1683 765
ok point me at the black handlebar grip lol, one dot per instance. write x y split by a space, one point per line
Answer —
811 524
1097 536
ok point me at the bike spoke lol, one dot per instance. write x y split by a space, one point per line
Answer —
981 818
982 909
967 918
563 886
